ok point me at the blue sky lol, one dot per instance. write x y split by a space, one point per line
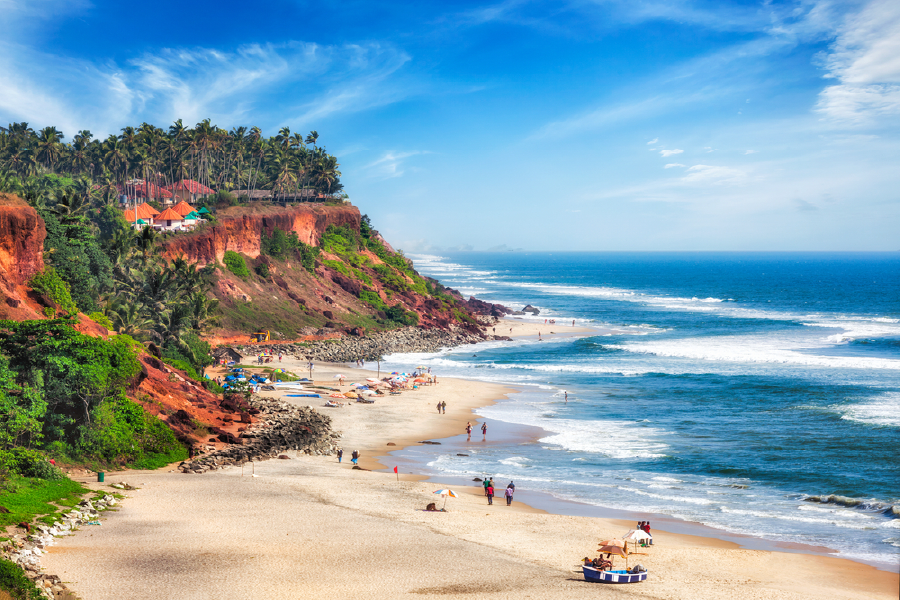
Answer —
583 125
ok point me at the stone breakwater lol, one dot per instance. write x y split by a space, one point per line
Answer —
281 427
373 346
26 550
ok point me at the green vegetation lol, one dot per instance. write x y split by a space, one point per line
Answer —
100 319
281 245
262 269
289 164
236 264
27 498
50 284
370 297
65 391
16 584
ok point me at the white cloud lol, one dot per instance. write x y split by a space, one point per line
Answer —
670 165
865 60
670 152
653 141
289 83
751 151
713 175
391 164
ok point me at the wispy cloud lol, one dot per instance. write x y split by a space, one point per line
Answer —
670 165
304 82
653 141
865 60
391 164
751 151
709 174
670 152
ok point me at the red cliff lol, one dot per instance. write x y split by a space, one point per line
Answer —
240 229
22 236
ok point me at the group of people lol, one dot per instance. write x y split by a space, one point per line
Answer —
354 456
645 527
599 563
483 431
442 408
489 491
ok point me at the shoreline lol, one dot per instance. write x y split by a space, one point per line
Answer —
475 394
290 527
478 394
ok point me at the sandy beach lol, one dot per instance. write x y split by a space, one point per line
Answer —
314 528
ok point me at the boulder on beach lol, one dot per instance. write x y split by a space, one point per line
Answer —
532 310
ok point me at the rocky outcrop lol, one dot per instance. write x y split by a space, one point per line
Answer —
480 307
281 427
353 348
22 236
240 229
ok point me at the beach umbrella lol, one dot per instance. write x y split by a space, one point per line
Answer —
637 535
372 380
421 367
614 546
445 493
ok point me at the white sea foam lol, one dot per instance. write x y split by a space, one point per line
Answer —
853 326
881 410
753 349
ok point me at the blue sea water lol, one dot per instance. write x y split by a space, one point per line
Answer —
757 393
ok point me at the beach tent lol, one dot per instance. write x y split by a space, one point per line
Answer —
203 211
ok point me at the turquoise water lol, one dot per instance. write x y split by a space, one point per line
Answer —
755 393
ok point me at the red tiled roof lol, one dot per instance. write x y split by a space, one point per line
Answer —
143 212
147 190
183 208
168 215
191 186
153 212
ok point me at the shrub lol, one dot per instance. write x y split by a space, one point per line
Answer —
50 284
397 314
370 297
236 264
16 584
262 269
122 431
29 463
100 319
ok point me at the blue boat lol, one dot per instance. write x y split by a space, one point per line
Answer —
620 576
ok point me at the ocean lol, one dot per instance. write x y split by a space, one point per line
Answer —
755 393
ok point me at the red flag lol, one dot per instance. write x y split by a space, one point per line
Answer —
395 469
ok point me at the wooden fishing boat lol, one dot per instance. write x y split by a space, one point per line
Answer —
619 576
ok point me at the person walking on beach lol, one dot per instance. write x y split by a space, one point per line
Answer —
469 431
280 355
439 407
573 322
486 483
354 458
490 493
340 454
444 407
484 431
509 495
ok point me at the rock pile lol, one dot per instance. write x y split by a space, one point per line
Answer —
26 550
281 427
375 345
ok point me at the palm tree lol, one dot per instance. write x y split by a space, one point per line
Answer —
49 146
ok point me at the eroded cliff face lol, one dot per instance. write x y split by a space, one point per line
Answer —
240 229
22 236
